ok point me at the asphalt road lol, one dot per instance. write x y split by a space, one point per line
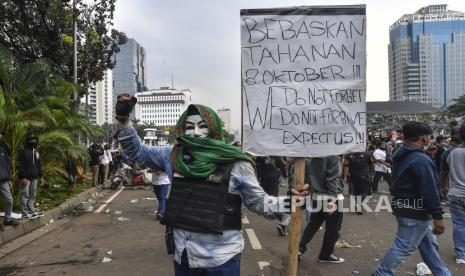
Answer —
136 246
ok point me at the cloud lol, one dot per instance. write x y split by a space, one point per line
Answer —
198 42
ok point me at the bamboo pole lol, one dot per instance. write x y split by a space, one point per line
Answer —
296 220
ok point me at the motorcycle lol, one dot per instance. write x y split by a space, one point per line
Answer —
121 177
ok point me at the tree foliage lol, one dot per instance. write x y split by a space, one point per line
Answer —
43 30
458 108
33 100
438 121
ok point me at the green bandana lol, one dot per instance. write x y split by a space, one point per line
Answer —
207 153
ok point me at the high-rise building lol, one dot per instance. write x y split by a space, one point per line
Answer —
91 101
100 97
427 56
225 116
162 107
130 71
105 99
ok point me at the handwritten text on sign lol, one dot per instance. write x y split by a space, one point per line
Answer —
303 84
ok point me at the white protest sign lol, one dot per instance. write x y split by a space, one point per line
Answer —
303 80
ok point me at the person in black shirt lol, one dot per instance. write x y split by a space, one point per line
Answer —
441 143
268 174
30 175
357 172
95 152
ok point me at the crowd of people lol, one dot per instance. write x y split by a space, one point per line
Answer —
202 182
410 166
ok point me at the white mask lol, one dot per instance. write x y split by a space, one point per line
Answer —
426 147
196 126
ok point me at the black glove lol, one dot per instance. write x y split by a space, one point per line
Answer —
124 105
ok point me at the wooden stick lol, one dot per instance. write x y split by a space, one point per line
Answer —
296 220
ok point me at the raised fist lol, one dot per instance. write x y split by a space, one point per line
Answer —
124 105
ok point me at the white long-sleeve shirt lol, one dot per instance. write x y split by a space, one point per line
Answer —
106 158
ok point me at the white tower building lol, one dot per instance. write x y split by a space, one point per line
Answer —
162 107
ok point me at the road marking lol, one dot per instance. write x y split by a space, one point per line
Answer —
253 239
245 220
262 265
100 209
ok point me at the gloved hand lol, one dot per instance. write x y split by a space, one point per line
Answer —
124 105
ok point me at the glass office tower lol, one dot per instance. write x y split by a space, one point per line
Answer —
427 56
130 71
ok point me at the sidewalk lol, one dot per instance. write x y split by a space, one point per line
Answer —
26 226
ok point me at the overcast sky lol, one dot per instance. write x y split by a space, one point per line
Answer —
198 42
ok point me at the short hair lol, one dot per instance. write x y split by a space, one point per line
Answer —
462 132
455 139
412 131
379 144
440 138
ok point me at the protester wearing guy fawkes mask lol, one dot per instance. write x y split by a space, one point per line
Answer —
210 180
29 174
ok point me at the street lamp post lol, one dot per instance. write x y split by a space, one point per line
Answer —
75 95
75 57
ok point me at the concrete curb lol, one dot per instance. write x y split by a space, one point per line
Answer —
26 226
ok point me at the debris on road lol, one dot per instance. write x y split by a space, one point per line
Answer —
122 219
423 269
150 198
134 200
344 244
107 211
106 260
89 209
109 252
13 215
117 212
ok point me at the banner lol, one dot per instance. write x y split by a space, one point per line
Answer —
303 80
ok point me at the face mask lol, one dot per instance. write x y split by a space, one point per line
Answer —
196 126
426 147
32 143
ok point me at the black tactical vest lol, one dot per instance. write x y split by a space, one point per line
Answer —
204 205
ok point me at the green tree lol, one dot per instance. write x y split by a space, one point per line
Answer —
228 138
33 100
458 108
43 30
